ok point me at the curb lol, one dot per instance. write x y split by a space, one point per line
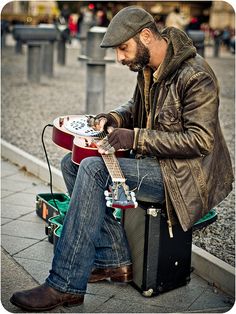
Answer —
218 273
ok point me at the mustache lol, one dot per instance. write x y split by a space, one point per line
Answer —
125 62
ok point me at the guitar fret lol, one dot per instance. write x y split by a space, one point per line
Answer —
113 167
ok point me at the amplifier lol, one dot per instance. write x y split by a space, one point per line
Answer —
160 263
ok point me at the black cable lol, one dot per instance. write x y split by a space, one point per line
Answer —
49 167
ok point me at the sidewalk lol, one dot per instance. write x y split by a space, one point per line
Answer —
27 255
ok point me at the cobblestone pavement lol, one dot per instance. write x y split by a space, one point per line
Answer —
27 108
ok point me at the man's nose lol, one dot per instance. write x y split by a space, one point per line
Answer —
119 56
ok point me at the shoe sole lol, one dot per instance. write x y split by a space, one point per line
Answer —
121 279
66 304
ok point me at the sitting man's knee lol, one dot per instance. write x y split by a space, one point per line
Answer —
66 161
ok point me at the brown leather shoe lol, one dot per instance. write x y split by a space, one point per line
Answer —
44 298
120 274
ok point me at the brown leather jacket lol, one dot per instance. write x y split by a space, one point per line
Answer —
184 131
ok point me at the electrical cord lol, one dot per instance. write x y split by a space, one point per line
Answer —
49 167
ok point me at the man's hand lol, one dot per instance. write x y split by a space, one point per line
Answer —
117 139
102 121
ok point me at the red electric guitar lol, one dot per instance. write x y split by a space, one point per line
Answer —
73 133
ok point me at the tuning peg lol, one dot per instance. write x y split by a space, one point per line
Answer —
108 198
107 193
109 204
132 194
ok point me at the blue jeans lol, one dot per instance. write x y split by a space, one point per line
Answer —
91 236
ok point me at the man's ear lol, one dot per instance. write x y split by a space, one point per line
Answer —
146 36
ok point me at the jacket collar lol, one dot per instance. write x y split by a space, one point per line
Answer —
179 49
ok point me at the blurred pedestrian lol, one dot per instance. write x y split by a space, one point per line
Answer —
176 19
65 14
101 18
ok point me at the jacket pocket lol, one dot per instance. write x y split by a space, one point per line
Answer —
170 118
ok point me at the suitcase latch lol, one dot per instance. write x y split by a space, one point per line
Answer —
153 211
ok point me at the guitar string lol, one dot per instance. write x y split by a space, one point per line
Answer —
112 161
139 182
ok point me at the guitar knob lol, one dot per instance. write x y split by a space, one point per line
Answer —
109 204
106 193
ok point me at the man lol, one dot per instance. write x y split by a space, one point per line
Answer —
172 125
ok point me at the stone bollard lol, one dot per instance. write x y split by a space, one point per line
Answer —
47 58
83 34
198 38
95 70
64 36
35 36
4 31
33 64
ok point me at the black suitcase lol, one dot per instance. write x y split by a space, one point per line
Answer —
52 210
45 207
160 263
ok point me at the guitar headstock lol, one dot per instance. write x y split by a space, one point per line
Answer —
119 196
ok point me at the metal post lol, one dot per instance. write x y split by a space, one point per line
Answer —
33 64
84 29
95 88
18 46
47 58
63 37
198 38
61 49
95 66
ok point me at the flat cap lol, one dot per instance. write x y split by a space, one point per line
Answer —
125 24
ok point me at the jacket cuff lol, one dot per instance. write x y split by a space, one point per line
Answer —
136 136
117 118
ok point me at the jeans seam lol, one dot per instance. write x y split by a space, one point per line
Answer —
76 244
65 290
113 239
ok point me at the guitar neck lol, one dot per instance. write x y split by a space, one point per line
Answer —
113 168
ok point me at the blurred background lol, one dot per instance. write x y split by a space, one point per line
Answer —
215 18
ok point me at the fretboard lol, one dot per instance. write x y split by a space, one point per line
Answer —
113 168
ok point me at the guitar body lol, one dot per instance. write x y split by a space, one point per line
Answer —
73 133
83 143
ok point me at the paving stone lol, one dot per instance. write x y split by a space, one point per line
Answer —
15 278
24 229
91 303
40 188
32 216
40 251
14 210
20 198
7 168
10 184
210 300
37 269
5 221
15 244
5 193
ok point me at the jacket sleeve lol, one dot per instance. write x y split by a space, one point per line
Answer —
125 114
197 122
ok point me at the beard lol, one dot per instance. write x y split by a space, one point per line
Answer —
140 60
